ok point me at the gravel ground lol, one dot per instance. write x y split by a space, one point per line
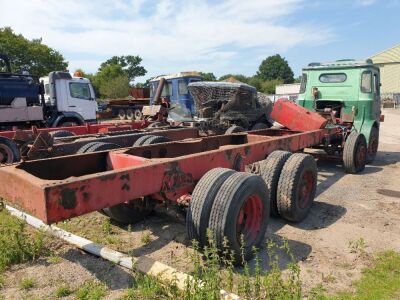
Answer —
353 217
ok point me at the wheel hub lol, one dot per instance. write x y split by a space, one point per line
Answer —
249 220
306 188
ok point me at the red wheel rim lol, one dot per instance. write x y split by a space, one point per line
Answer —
360 155
249 220
306 188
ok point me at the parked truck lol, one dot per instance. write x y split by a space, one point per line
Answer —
59 99
349 91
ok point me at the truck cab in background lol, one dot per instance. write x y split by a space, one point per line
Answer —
175 91
347 91
70 99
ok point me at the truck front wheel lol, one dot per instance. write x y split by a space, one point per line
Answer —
355 153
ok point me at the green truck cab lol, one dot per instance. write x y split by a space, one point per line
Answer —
349 92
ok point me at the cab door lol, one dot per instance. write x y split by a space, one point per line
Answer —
81 99
377 96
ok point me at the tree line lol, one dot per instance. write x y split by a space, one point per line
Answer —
116 75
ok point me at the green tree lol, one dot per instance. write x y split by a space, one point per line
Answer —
106 76
275 68
117 87
130 64
208 76
30 55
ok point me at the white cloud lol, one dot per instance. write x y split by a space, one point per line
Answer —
365 2
167 34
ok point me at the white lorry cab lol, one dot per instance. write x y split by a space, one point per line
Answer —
71 98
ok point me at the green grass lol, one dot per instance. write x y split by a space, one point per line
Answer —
91 290
63 291
26 283
17 245
380 281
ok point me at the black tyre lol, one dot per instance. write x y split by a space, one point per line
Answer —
121 114
355 153
9 151
259 126
69 123
99 146
131 212
61 133
138 115
85 147
129 114
373 145
296 187
156 140
241 209
141 140
203 197
234 129
270 170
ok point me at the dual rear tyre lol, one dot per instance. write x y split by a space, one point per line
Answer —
236 206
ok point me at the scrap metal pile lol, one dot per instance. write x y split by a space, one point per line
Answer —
228 103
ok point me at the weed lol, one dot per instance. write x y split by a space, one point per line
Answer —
106 226
147 287
328 278
91 290
17 245
146 238
54 259
2 281
63 291
358 246
317 292
26 283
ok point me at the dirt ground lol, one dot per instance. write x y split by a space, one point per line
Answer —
353 217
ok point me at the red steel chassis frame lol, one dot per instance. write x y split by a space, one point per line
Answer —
80 130
64 187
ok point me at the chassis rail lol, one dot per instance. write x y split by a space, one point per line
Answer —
61 188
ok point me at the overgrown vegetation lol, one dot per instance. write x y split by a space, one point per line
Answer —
91 290
214 271
26 283
17 245
63 291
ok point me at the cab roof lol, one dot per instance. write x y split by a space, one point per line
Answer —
341 64
178 75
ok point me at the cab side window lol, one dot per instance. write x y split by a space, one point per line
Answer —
366 82
376 83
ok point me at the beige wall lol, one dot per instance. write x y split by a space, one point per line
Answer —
389 63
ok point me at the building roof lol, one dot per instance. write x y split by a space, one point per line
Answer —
391 55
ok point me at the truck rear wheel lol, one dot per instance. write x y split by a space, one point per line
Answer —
132 211
241 214
296 187
121 114
142 139
9 151
129 114
138 114
373 145
61 133
355 153
270 170
201 203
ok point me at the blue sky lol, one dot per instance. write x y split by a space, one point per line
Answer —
222 37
